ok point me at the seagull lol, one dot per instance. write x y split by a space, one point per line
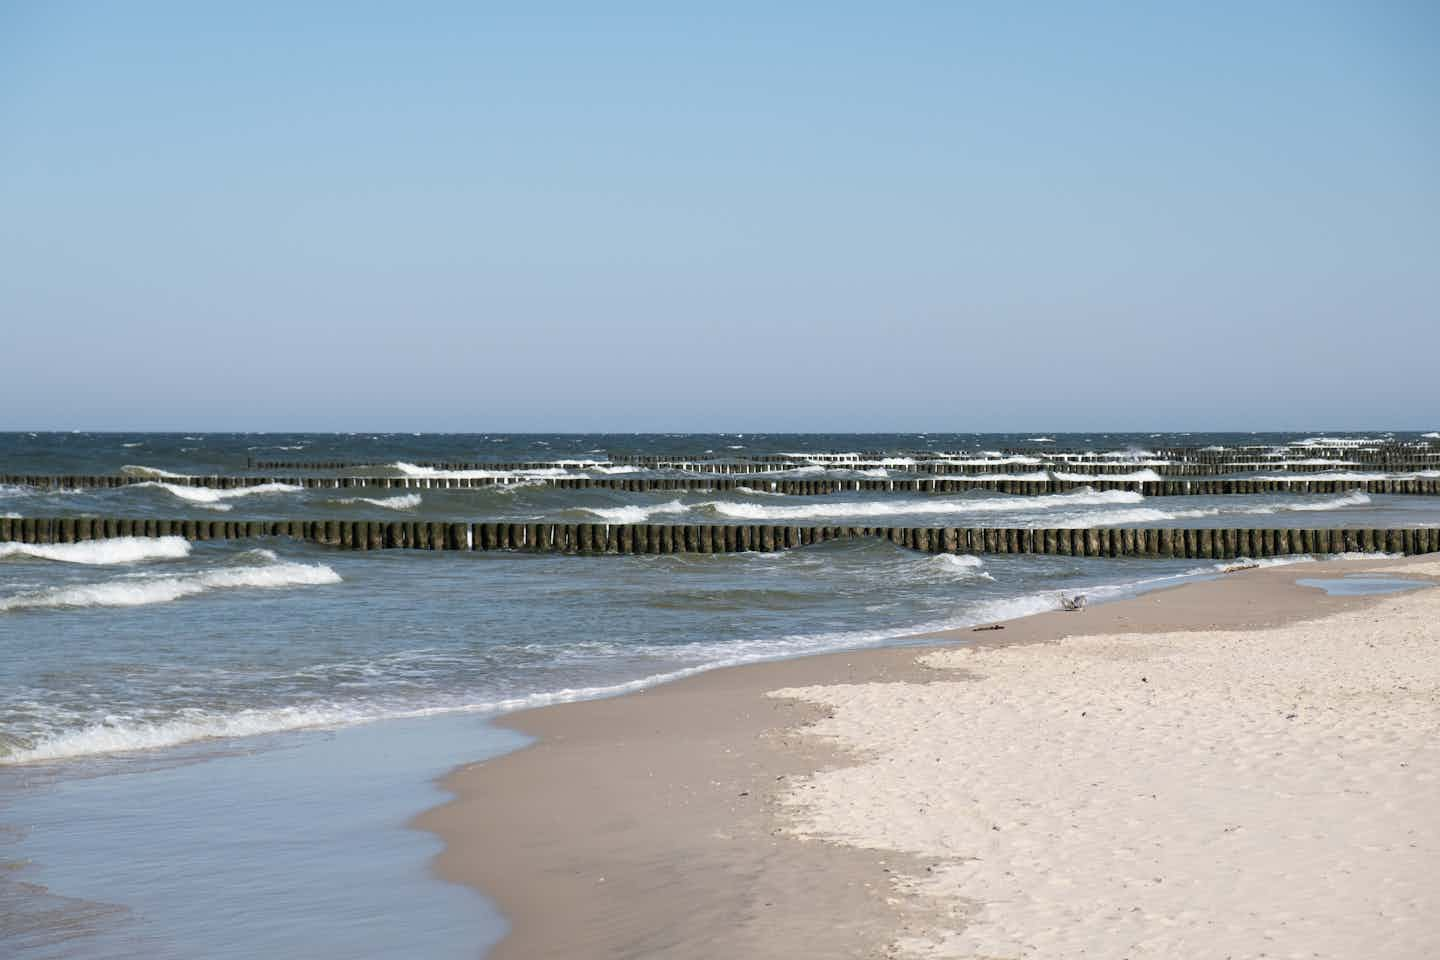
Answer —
1074 603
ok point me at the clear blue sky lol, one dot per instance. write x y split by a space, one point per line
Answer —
948 216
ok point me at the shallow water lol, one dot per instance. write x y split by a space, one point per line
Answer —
294 846
1360 586
212 749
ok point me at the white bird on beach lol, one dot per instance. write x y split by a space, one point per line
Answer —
1074 603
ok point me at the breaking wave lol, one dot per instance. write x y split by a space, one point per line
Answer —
117 550
636 514
958 565
1152 515
406 501
1353 499
139 470
1133 476
438 473
212 499
141 591
880 508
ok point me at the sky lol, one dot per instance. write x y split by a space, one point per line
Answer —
751 216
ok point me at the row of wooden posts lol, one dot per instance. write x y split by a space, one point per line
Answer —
1387 453
1428 486
939 468
640 538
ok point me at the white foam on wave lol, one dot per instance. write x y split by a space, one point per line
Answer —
959 560
965 566
1337 442
139 470
1151 515
24 490
127 735
404 501
809 471
1351 475
103 552
1115 518
1355 498
636 514
1134 476
898 508
213 499
1040 440
1035 476
990 458
1280 460
437 473
130 736
763 493
1433 435
135 591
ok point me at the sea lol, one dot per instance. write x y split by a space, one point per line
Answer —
216 749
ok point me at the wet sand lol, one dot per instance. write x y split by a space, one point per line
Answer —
706 817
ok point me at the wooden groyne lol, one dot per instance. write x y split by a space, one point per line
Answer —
1169 461
599 538
1106 467
1429 486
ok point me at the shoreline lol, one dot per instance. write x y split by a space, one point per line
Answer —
629 813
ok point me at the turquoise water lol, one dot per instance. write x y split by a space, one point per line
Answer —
213 749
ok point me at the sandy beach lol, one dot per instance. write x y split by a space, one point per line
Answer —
1233 768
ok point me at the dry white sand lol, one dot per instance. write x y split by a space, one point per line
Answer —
1427 567
1268 793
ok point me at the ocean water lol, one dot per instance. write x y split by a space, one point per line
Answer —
213 749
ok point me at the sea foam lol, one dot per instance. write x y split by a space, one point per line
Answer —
213 499
961 566
407 501
901 508
116 550
1134 476
129 735
636 514
1153 515
438 473
1353 499
1351 476
140 470
140 591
